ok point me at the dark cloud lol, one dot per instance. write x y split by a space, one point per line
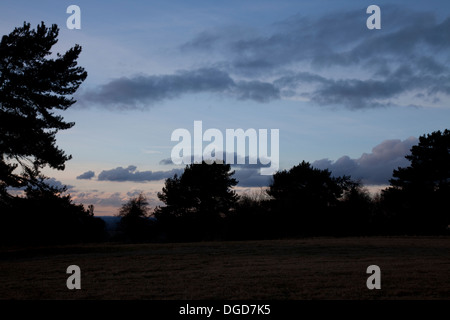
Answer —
251 177
256 90
244 161
427 76
130 173
135 92
395 60
356 94
339 38
143 91
330 60
87 175
373 168
247 174
423 74
52 182
167 161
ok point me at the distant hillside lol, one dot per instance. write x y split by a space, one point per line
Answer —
111 223
110 220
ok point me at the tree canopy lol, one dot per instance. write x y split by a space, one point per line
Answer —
429 170
199 198
419 193
305 185
135 224
136 207
303 198
33 87
202 189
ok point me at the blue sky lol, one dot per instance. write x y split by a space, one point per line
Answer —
344 97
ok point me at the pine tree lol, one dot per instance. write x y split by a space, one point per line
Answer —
34 87
198 199
418 195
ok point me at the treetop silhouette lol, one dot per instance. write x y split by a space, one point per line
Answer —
197 201
202 189
419 193
33 87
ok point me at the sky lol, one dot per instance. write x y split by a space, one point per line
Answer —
344 97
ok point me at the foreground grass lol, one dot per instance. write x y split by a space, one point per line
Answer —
316 268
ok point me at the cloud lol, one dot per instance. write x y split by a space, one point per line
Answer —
244 161
256 90
331 60
140 92
115 199
88 175
312 58
247 174
338 38
130 173
373 168
428 77
251 177
52 182
167 161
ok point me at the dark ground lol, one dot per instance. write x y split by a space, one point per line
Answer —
315 268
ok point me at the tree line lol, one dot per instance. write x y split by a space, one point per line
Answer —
302 201
201 203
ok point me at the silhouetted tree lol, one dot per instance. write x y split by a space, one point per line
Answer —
32 87
91 209
47 216
419 194
135 208
196 202
252 218
135 223
354 214
302 197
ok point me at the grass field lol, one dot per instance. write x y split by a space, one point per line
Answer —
316 268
